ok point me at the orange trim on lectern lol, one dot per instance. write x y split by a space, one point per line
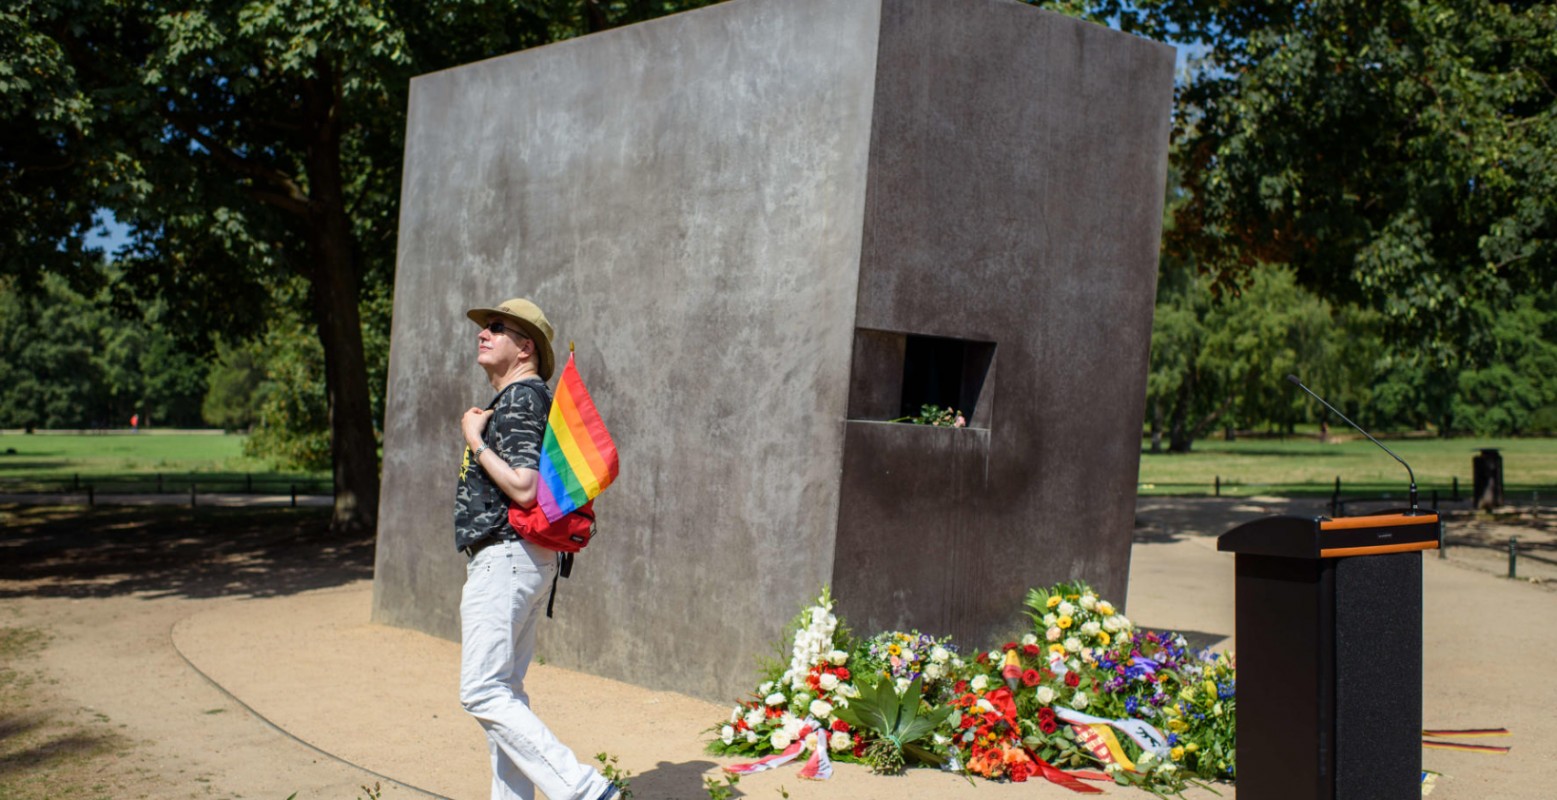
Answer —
1379 549
1380 521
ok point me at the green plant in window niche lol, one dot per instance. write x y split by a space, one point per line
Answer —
935 415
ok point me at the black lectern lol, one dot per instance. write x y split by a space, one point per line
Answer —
1329 627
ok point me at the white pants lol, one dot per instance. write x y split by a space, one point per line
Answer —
506 586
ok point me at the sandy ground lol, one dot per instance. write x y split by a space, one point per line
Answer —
250 671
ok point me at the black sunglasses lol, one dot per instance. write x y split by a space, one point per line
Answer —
497 327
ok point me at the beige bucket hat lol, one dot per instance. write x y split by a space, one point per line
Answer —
530 319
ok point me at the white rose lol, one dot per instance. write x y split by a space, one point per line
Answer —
792 726
1066 610
1089 601
754 717
802 698
1073 664
980 683
1079 701
780 740
1111 624
727 734
1053 634
1091 628
1045 695
996 655
751 737
1050 618
847 690
765 688
1124 622
902 685
935 672
839 741
735 714
821 709
1028 638
939 654
1072 644
956 663
828 681
837 657
775 699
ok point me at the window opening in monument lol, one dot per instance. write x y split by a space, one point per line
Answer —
947 373
895 374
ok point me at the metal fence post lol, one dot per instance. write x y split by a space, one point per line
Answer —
1513 556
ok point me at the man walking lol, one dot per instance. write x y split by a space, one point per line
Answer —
506 577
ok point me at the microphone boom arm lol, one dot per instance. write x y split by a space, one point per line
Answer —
1412 475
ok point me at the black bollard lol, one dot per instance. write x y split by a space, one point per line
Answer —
1217 487
1513 556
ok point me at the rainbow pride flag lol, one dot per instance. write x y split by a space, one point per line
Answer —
578 458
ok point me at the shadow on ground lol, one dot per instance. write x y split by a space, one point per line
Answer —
668 780
179 552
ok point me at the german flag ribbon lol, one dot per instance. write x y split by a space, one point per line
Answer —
1465 733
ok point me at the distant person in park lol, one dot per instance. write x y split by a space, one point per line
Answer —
506 577
135 423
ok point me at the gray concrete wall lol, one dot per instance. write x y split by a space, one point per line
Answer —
684 199
1018 160
737 213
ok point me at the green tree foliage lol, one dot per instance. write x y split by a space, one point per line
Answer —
67 361
232 395
1395 154
247 143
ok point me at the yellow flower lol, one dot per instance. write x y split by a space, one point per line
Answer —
1177 725
1063 622
1177 754
1170 710
1103 638
1191 747
894 650
1209 687
1057 648
1054 601
1105 608
1187 693
1073 597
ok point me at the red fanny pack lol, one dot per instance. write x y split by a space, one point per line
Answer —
567 535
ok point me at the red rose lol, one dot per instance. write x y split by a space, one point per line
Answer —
1048 726
1020 771
1009 646
1072 680
966 721
960 687
842 673
983 658
1046 713
1031 649
840 726
1031 677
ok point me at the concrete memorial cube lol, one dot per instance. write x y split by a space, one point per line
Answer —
772 226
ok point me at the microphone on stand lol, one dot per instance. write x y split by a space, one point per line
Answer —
1412 475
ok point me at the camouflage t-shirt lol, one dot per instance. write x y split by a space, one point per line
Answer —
514 432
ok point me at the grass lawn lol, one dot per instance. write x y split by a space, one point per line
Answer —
126 462
1303 466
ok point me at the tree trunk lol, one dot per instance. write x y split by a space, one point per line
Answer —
335 293
1157 426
